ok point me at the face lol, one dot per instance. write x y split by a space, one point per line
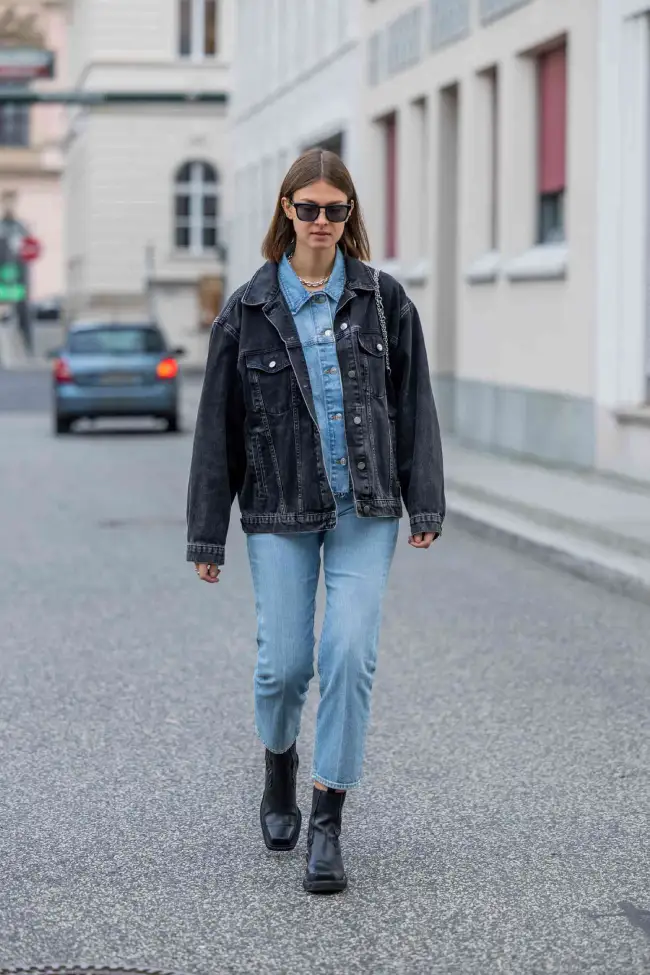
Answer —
317 231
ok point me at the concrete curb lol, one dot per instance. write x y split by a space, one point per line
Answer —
612 569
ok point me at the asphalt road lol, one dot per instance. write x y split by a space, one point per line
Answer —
503 823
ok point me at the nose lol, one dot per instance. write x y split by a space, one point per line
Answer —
322 218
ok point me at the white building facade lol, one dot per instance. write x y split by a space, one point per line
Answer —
146 174
622 362
297 84
481 135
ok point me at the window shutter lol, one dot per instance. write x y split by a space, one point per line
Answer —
390 133
552 120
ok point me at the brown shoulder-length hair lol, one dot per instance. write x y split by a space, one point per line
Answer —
312 166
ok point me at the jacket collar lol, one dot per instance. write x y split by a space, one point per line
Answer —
264 284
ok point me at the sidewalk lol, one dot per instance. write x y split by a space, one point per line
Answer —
594 526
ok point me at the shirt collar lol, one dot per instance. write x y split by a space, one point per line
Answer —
295 293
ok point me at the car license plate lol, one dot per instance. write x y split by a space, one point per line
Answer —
118 379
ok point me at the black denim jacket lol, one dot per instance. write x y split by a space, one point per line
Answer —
256 434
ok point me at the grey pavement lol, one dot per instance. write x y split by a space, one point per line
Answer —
503 822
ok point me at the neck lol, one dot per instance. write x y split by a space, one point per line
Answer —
313 265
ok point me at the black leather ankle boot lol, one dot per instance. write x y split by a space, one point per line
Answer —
325 871
280 817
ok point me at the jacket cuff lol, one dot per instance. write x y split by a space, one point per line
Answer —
206 554
426 522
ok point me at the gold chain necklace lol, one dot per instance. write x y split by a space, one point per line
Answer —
311 284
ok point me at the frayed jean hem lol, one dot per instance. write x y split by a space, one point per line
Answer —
341 786
275 751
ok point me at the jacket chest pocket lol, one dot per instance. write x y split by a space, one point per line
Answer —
372 354
270 378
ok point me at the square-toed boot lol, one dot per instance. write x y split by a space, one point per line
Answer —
279 814
325 872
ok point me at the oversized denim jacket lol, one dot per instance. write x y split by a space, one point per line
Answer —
256 435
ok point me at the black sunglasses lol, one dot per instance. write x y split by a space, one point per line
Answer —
309 212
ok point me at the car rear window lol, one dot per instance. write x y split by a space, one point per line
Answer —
116 341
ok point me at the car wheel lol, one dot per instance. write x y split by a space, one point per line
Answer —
62 425
173 423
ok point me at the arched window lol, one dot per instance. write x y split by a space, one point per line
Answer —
196 207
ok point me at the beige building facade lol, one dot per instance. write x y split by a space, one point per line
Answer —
146 172
481 133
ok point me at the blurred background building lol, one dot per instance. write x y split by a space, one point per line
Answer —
146 166
505 158
500 148
33 42
298 69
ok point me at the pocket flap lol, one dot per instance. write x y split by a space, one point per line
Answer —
372 343
269 362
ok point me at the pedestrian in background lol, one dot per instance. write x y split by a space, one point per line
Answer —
317 412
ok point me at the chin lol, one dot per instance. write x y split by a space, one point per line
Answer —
321 241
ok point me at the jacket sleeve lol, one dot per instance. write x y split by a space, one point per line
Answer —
219 455
419 448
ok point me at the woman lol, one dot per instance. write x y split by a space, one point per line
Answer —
317 413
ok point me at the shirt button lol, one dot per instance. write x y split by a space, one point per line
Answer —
361 465
380 347
344 326
331 372
337 416
357 420
272 365
327 333
366 509
352 374
343 462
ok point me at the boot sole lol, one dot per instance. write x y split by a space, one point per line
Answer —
287 847
324 886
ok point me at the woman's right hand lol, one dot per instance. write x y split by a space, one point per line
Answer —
207 572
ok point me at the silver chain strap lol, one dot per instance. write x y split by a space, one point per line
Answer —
382 317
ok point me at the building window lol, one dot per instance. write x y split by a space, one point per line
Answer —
198 24
491 79
14 123
552 88
196 207
389 126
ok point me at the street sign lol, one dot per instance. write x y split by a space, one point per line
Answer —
30 249
21 64
12 282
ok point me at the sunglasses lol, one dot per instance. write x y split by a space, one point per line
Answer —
334 212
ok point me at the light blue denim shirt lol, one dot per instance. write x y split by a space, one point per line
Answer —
313 313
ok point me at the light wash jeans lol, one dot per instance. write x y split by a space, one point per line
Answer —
357 556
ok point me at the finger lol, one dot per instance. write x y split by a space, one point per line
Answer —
205 573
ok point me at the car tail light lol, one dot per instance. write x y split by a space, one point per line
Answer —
167 369
62 372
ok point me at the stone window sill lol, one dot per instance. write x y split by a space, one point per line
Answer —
485 269
546 262
638 416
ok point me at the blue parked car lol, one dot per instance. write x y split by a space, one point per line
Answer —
111 370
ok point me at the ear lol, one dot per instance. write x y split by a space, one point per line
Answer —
286 207
351 211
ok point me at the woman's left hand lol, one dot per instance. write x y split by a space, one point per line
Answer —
425 540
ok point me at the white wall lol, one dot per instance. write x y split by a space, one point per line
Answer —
122 159
293 87
533 334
